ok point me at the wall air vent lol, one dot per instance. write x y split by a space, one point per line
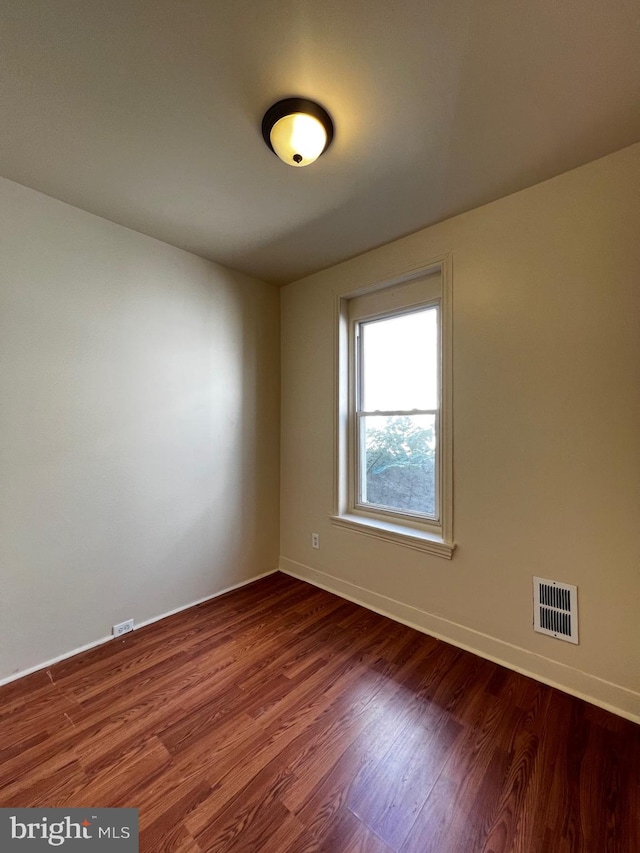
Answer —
555 609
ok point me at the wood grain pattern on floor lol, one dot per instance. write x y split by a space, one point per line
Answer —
279 718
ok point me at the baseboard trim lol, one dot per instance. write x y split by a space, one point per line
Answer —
23 673
612 697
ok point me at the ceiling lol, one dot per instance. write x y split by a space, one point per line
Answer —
148 112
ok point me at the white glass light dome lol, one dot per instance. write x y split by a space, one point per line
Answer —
298 139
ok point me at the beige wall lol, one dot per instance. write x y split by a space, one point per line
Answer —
546 300
139 395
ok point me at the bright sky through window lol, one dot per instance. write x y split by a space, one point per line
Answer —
401 357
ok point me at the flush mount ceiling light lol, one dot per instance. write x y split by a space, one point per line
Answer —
297 130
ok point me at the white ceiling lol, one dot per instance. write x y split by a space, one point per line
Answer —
148 112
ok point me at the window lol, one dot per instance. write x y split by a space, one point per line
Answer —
394 426
397 412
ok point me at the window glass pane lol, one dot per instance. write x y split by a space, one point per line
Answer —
397 456
400 362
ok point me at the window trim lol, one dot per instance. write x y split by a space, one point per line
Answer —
410 531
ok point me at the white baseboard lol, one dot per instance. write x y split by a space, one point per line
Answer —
23 673
612 697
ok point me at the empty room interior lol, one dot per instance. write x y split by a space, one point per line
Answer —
320 424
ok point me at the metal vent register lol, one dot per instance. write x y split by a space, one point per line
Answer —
555 609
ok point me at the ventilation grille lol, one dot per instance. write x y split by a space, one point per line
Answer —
555 609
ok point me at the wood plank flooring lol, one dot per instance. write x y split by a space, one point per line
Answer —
282 719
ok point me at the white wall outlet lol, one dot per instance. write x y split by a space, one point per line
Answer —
315 540
122 628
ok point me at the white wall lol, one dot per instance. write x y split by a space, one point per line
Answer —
546 301
139 388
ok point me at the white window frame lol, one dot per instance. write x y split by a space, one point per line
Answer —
422 287
357 412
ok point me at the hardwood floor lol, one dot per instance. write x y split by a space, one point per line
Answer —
282 719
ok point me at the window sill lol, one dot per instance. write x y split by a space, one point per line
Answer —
399 534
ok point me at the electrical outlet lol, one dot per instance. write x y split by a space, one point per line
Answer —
122 628
315 540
